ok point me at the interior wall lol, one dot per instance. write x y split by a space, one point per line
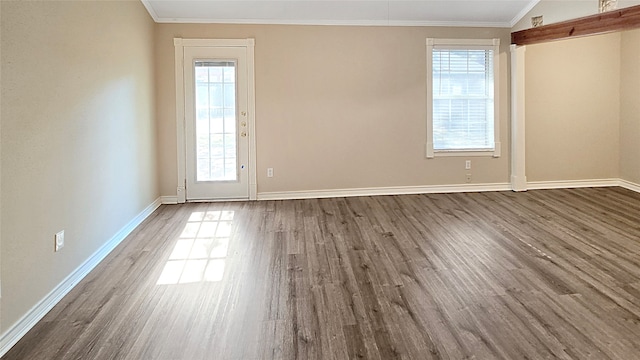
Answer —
336 107
78 137
572 93
630 107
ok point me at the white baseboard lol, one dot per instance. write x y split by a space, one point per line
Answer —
20 328
402 190
629 185
169 200
568 184
542 185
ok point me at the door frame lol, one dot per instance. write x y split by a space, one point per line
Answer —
180 44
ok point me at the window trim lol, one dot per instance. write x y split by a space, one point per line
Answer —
466 44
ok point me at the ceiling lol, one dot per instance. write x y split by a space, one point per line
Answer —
496 13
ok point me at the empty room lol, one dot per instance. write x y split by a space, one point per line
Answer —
313 179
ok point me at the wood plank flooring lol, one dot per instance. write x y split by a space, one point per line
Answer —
500 275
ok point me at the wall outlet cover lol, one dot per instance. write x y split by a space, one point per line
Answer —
59 244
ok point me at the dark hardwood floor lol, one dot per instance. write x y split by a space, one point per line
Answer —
536 275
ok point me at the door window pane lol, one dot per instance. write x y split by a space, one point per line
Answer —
216 146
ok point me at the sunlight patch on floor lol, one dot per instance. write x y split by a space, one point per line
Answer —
200 252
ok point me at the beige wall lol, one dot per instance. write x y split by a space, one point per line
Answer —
573 109
630 107
336 107
78 137
0 174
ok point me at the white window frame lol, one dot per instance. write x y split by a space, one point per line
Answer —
466 44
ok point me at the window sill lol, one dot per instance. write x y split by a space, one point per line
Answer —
431 153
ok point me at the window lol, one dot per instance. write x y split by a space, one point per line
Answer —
462 97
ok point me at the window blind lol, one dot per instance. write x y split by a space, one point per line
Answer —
463 99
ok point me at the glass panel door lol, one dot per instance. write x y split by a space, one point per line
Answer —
216 123
216 146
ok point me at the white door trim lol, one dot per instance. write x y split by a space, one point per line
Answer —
180 44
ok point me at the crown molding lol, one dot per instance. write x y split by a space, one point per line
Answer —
150 10
523 12
335 22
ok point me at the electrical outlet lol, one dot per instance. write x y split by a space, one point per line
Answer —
468 178
269 172
59 240
467 165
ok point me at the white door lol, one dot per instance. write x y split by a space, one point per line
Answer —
216 123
